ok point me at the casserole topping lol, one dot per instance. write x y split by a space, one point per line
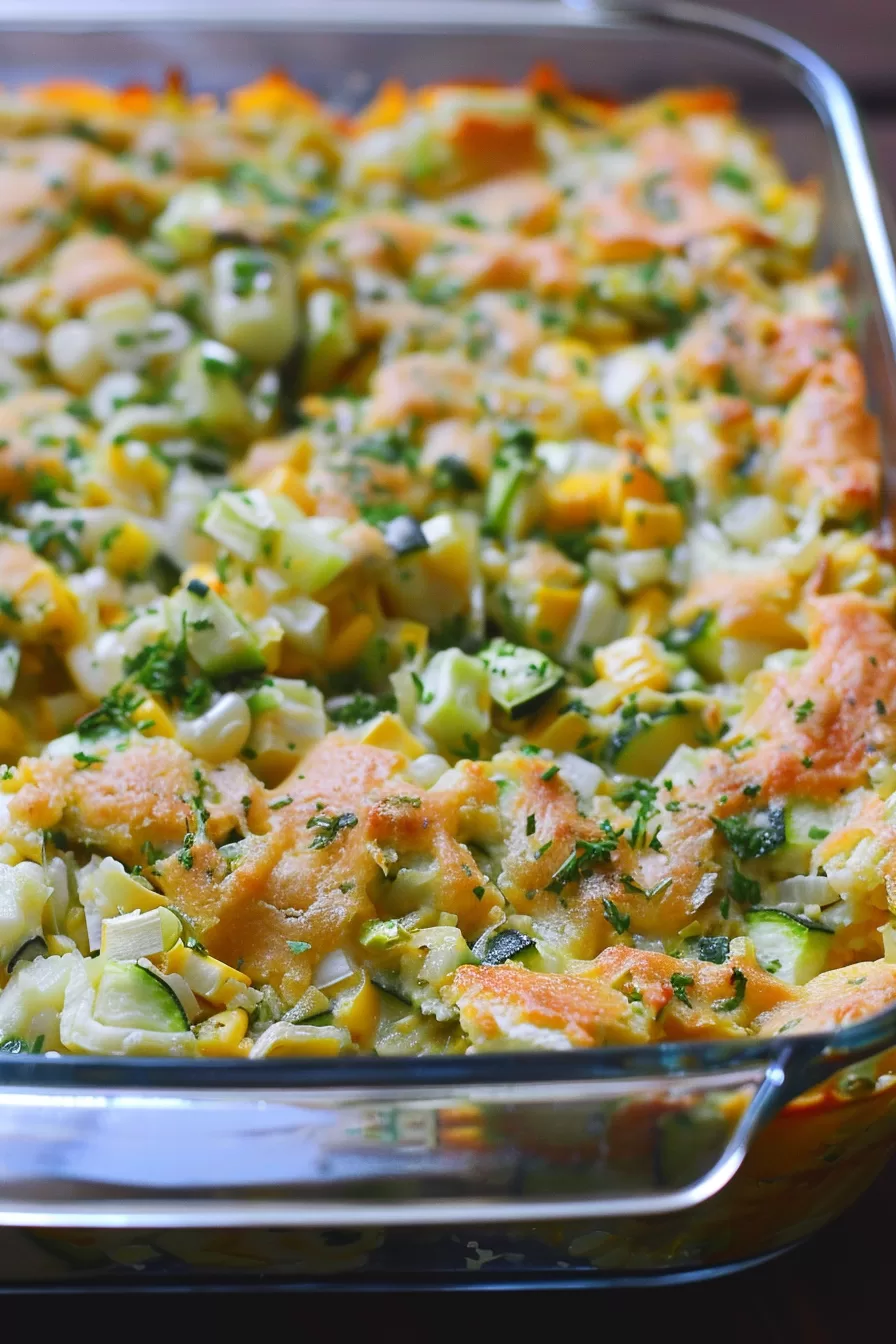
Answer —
443 598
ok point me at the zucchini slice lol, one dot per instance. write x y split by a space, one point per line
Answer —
644 742
132 997
217 638
404 535
520 680
493 949
794 949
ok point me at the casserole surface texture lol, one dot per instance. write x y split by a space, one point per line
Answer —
443 593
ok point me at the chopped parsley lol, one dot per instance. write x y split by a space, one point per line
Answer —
751 835
297 945
642 794
716 950
680 985
614 916
113 714
161 668
745 890
802 712
584 857
731 176
185 853
328 827
739 982
84 760
360 707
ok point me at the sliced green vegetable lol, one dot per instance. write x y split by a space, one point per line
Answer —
752 835
455 700
793 948
130 996
643 742
217 638
520 679
493 949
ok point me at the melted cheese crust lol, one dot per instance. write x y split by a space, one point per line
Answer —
442 563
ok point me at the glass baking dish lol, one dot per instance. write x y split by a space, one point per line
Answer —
599 1166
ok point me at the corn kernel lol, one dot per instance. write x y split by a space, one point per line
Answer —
12 737
152 719
550 613
129 550
388 731
286 480
212 979
348 644
563 361
113 613
412 635
633 479
648 526
635 662
774 197
206 574
579 499
595 417
854 566
135 463
222 1034
561 732
659 458
449 560
648 613
359 1012
96 494
58 944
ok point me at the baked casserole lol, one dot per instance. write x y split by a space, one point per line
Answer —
444 595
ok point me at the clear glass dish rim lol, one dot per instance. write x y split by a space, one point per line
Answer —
826 91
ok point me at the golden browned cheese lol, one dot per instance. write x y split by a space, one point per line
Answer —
525 202
834 999
666 205
625 996
747 606
519 1007
424 385
830 444
848 679
768 354
483 143
478 365
849 674
310 877
90 265
694 998
37 607
137 802
533 857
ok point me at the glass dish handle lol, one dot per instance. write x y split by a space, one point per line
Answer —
527 1146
